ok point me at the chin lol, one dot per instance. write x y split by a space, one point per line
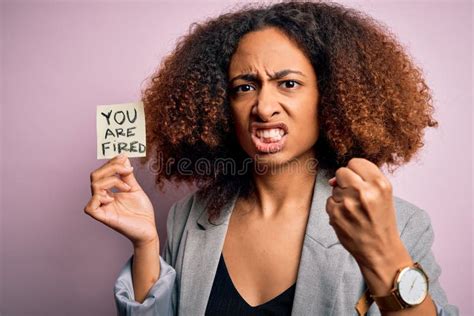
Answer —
266 160
281 158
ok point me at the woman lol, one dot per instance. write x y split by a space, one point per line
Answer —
282 115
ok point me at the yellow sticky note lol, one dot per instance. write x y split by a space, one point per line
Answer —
121 129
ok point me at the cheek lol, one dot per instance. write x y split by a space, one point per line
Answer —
309 119
239 130
239 122
310 133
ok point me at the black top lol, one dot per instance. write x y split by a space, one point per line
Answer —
226 300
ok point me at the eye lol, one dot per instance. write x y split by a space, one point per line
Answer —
289 84
242 88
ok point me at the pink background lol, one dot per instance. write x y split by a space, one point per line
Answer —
61 59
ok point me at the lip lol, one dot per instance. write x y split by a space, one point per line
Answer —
257 125
268 148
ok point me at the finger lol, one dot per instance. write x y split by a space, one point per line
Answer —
119 158
93 204
346 200
332 208
351 210
130 177
364 169
337 193
342 215
108 183
106 196
93 207
345 177
372 174
108 170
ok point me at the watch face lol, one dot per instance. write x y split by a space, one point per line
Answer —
412 285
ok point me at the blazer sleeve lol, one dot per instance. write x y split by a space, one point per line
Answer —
418 236
160 300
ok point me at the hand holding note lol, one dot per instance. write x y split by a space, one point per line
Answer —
121 134
128 211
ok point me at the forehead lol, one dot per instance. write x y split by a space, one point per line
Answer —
270 50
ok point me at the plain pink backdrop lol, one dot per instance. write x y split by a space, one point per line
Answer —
61 59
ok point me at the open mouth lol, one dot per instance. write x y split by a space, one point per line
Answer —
269 139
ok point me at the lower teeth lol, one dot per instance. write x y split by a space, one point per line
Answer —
270 140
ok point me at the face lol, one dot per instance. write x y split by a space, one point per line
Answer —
274 97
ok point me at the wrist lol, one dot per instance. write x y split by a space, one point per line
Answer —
147 244
380 273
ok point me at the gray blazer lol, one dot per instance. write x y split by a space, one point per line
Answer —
329 281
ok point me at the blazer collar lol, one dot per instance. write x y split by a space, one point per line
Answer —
318 226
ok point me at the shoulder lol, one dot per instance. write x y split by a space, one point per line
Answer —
414 225
183 206
186 209
408 212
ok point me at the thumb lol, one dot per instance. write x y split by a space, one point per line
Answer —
130 178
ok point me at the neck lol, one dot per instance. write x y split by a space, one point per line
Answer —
288 188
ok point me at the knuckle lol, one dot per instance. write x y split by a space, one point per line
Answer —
367 196
347 204
334 217
112 160
329 201
352 162
115 165
95 186
382 184
340 171
119 162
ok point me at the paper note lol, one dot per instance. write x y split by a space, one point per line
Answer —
121 129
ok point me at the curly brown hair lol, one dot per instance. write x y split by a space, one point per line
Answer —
374 102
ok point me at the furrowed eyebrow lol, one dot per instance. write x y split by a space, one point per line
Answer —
278 75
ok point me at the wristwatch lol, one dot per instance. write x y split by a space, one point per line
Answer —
410 288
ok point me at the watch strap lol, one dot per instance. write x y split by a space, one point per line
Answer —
364 303
389 302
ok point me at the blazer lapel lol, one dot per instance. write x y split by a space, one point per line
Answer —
323 258
203 246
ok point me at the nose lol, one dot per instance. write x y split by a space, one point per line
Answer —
266 104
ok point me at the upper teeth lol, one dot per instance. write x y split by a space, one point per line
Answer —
268 133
